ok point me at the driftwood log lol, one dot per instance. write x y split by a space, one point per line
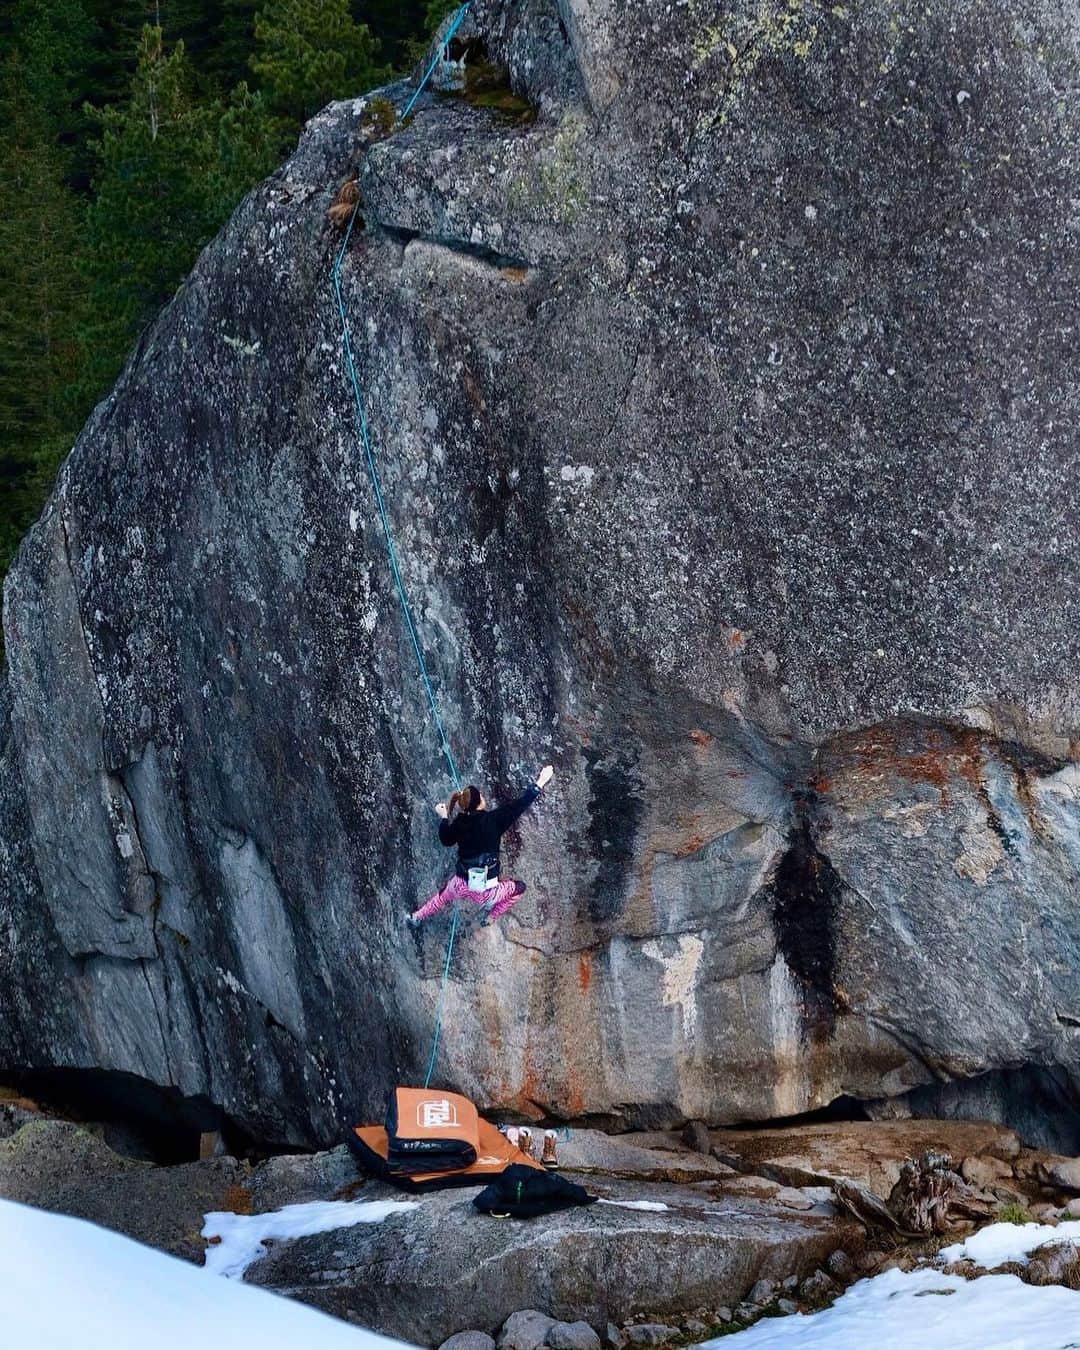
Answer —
930 1197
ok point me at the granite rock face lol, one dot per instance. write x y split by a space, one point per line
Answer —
725 417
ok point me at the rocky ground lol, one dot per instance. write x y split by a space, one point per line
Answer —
741 1223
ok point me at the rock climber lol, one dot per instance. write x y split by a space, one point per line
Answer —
467 822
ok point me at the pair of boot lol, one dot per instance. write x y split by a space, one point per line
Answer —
522 1138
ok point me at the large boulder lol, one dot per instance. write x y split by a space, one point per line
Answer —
725 420
58 1166
871 1154
444 1267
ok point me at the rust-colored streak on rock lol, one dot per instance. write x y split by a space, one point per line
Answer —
869 759
585 972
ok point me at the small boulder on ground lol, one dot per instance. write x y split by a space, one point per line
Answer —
840 1265
984 1172
526 1330
695 1135
1055 1263
572 1336
1066 1174
299 1178
45 1158
469 1340
763 1292
817 1288
651 1333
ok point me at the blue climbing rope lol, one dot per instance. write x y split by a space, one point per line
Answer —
455 24
380 502
442 997
388 534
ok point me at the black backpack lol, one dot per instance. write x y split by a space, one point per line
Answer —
524 1192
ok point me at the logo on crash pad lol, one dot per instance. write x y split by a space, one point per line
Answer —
436 1114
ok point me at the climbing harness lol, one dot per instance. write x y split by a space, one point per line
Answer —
388 535
479 881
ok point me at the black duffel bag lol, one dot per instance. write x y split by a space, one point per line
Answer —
524 1192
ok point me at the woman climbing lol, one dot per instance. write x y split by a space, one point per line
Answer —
466 821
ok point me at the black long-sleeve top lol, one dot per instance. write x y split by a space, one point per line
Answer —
477 833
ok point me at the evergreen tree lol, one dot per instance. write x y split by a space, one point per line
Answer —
394 23
228 61
248 147
125 147
41 318
308 52
153 205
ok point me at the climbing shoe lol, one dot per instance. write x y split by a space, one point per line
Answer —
411 921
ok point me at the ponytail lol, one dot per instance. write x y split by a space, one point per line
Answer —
465 799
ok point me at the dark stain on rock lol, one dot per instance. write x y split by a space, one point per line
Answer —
806 892
615 811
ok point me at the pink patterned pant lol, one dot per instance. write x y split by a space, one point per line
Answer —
500 898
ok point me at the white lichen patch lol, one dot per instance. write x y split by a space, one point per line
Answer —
913 821
785 1027
982 853
241 347
679 957
581 474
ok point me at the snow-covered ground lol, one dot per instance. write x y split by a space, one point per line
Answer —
1001 1242
926 1310
242 1236
65 1283
929 1310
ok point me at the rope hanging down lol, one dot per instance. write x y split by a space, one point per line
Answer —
388 534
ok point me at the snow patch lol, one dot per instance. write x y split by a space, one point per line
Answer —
243 1236
652 1205
68 1283
926 1310
1000 1242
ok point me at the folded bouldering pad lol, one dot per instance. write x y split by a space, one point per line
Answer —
494 1154
430 1131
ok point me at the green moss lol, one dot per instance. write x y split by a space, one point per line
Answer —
1013 1213
488 86
380 118
555 187
741 43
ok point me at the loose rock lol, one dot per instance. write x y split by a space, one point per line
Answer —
469 1340
651 1333
572 1336
526 1330
840 1265
1066 1174
695 1135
